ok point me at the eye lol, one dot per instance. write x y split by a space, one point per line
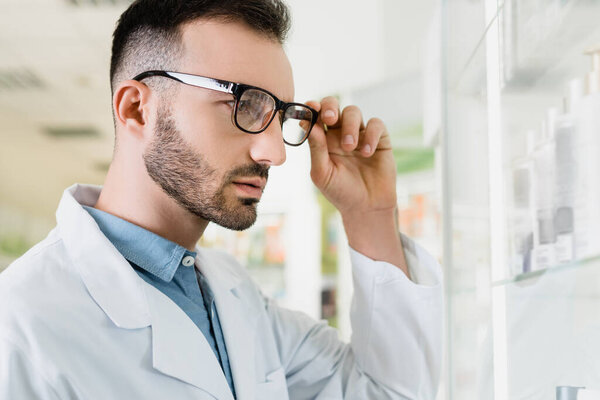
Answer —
243 105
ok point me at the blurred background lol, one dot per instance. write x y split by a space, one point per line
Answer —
494 111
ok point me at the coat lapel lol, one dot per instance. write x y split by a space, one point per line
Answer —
238 316
180 350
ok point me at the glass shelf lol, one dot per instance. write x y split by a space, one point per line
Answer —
529 276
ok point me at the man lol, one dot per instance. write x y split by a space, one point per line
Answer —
119 303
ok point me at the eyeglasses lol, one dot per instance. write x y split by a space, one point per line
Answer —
254 108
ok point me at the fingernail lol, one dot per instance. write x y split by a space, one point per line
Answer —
329 114
367 149
348 139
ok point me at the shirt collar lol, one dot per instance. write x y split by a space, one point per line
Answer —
147 250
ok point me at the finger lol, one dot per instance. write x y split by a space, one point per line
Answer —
352 123
314 104
371 137
330 111
317 107
319 154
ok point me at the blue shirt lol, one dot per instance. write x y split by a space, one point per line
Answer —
170 268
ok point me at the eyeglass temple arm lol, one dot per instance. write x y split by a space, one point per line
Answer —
194 80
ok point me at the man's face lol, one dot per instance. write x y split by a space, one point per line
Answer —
197 154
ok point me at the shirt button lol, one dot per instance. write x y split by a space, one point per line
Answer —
188 261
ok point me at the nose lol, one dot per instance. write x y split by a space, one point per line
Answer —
268 146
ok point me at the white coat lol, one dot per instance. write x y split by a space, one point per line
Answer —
77 322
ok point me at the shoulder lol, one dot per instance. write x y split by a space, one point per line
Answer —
35 288
31 265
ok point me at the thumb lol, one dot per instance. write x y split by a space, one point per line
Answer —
319 153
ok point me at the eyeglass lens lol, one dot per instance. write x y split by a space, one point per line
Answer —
255 110
296 122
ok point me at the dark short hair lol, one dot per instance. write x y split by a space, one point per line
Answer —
148 33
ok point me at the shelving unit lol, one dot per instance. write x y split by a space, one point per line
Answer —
520 321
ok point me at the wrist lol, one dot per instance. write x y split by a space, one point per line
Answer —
375 234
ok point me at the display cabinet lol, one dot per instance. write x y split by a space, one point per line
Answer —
520 143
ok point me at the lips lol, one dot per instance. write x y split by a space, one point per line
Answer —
250 186
246 190
254 182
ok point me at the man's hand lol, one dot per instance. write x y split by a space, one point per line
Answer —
353 166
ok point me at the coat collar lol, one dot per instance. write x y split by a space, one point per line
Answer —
149 251
108 277
178 348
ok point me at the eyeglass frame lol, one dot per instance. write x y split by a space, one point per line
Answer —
237 90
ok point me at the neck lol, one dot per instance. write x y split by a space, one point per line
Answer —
129 193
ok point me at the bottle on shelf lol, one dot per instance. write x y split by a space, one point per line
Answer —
566 137
523 215
544 171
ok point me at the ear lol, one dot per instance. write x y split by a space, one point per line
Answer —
131 103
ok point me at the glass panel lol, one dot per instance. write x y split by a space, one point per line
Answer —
466 25
469 343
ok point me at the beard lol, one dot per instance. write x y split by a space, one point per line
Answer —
187 178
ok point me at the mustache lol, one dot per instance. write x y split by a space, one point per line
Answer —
252 170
